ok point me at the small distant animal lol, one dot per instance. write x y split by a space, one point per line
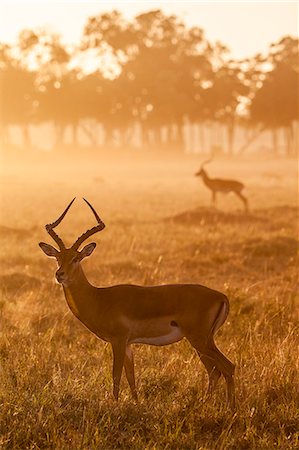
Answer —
221 185
153 315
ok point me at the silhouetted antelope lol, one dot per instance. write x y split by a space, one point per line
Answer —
221 185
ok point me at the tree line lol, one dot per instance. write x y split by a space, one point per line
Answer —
152 73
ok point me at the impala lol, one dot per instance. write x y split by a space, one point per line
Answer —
221 185
130 314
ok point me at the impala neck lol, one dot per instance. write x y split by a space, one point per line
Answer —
78 292
204 175
80 281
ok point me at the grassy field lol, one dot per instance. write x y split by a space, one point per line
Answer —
55 377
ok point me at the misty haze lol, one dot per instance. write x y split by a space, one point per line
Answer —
189 156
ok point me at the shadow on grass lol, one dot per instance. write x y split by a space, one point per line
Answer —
212 216
277 246
18 281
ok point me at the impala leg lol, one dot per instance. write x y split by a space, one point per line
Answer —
244 200
119 351
214 198
213 372
212 357
227 369
129 370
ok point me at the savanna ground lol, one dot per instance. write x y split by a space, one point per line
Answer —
55 377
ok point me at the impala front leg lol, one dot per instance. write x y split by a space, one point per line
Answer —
119 352
214 198
129 370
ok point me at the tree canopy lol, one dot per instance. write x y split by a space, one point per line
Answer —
153 71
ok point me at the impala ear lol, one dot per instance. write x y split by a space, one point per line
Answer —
87 250
49 250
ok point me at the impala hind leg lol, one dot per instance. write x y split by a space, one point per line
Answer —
243 199
213 373
129 370
214 199
227 368
119 352
212 357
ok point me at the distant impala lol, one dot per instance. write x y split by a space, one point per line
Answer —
221 185
154 315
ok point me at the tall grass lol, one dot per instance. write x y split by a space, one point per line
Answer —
55 377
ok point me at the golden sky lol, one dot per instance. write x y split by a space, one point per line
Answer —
245 27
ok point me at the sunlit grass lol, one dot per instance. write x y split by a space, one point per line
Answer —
55 377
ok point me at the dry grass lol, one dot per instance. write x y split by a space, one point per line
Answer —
55 377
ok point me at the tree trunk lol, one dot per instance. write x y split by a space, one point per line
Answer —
145 139
4 135
292 143
252 137
202 138
172 136
59 130
127 136
89 134
74 126
274 141
26 136
295 137
158 138
179 141
231 136
287 140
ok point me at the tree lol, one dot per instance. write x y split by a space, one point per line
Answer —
17 93
275 103
153 71
43 54
222 98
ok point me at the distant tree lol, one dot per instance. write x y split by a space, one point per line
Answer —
223 97
275 103
168 66
111 32
110 39
138 90
17 94
152 70
43 54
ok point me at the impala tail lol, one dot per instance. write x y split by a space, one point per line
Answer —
221 316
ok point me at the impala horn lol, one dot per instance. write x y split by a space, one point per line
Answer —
205 162
90 232
50 226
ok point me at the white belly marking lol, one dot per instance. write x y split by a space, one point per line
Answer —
174 336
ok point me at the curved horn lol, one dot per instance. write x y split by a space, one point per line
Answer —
205 162
90 232
49 227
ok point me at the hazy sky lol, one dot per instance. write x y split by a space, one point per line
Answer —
245 27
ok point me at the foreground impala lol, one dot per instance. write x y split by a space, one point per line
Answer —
154 315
